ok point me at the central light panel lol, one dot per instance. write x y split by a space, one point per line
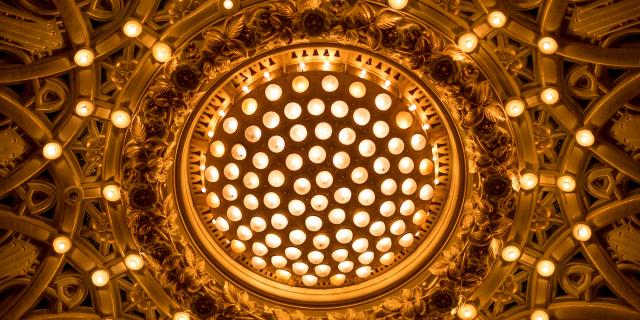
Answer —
318 179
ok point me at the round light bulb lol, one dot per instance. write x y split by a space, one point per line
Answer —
229 192
321 241
581 232
383 101
323 131
339 109
182 315
528 181
341 160
315 107
337 216
234 213
292 110
315 257
344 236
397 227
361 116
227 4
404 119
258 224
467 311
61 244
324 179
309 280
468 42
347 136
296 207
120 119
270 119
279 261
297 237
132 28
83 57
251 180
418 142
271 200
384 244
387 208
396 146
397 4
381 165
161 52
388 187
319 202
52 150
539 314
272 240
359 175
337 280
249 106
273 92
514 107
366 197
510 253
387 258
111 192
329 83
300 84
377 228
279 221
283 275
345 266
260 160
276 178
566 183
405 165
217 149
407 207
425 167
244 233
545 268
317 154
357 89
258 263
134 262
363 272
585 137
380 129
250 202
550 95
238 246
366 148
313 223
340 255
100 278
361 219
298 133
294 162
252 133
497 19
342 195
409 186
547 45
293 253
302 186
231 171
300 268
230 125
366 257
84 108
360 245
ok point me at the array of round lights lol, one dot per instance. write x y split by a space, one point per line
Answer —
319 185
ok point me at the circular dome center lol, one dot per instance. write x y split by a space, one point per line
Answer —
319 179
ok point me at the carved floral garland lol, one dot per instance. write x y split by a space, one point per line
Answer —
149 152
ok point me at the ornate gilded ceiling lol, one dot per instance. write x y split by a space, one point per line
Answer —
319 159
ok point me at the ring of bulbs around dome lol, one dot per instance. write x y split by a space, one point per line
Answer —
320 179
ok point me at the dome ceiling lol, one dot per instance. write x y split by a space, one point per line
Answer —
338 160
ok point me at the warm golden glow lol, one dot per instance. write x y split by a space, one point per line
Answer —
510 253
83 57
545 268
132 28
52 150
182 315
467 311
161 52
581 232
514 108
100 278
528 181
497 19
61 244
585 137
468 42
111 192
550 96
134 262
566 183
120 119
539 314
547 45
84 108
398 4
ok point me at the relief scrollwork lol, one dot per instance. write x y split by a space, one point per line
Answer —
149 152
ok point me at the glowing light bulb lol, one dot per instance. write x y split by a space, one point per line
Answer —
293 253
581 232
340 255
271 119
259 249
229 192
404 119
227 4
309 280
323 131
528 181
61 244
271 200
418 142
222 224
345 266
134 262
217 149
547 45
545 268
388 187
272 240
260 160
279 261
405 165
321 241
550 95
84 108
273 92
298 133
250 202
238 151
234 213
283 275
231 171
585 137
182 315
120 119
161 52
387 258
342 195
317 154
245 89
497 19
360 245
344 236
361 219
251 180
238 246
292 110
100 278
83 57
384 244
294 162
300 84
366 197
329 83
244 233
337 280
407 207
347 136
341 160
510 253
514 107
383 101
366 257
319 202
397 227
339 109
357 89
467 311
361 116
279 221
258 224
300 268
566 183
52 150
359 175
324 179
387 208
258 263
363 272
396 146
380 129
252 133
409 186
276 178
337 216
132 28
381 165
425 167
313 223
296 207
468 42
397 4
111 192
315 257
230 125
539 314
366 148
297 237
315 107
249 106
377 228
420 217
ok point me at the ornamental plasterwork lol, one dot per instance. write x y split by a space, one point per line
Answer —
596 72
